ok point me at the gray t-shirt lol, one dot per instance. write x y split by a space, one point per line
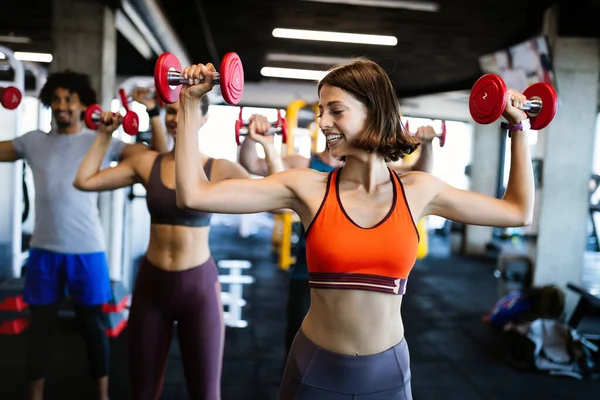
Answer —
67 220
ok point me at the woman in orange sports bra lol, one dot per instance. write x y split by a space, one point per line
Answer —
360 230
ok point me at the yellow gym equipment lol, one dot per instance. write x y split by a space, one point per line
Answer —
283 221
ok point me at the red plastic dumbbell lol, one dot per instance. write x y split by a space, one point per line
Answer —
10 97
168 78
278 127
441 136
130 121
489 96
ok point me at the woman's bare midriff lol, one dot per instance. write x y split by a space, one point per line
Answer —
177 248
354 322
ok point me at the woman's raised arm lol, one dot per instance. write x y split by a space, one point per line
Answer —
234 196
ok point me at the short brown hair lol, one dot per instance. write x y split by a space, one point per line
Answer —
366 81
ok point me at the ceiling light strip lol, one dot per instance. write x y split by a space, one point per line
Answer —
427 6
339 37
306 59
33 57
291 73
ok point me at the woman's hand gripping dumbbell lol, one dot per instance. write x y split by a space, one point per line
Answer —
261 129
95 118
169 77
146 97
489 98
426 133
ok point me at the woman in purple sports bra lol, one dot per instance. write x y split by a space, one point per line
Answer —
177 279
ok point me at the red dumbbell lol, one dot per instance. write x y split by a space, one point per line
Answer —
489 96
441 136
279 127
92 120
168 78
132 126
10 97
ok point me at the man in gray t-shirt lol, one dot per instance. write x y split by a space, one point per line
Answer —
67 249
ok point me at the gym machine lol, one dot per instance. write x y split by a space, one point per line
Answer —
283 228
11 204
11 197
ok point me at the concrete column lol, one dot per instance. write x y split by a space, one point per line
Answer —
85 40
568 159
484 179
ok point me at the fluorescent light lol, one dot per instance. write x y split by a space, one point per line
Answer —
335 37
291 73
407 5
14 39
33 57
298 58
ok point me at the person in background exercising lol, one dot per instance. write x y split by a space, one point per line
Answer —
177 279
298 301
360 221
67 247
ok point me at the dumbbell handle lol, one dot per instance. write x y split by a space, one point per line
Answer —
533 106
272 131
437 135
176 78
97 117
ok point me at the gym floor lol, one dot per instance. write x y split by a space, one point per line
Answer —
454 355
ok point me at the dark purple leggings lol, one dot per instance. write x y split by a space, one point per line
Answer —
192 298
313 372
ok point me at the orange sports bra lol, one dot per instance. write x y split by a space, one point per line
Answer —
343 255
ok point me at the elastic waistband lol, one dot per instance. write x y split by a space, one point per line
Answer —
314 365
305 342
153 269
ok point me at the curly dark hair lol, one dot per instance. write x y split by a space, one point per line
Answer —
367 82
73 81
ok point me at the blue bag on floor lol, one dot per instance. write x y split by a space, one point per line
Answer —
509 308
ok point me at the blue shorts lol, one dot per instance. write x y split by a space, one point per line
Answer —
49 274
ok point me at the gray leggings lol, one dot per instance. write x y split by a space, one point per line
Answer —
314 373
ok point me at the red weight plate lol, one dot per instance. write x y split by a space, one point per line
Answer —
232 78
166 62
284 130
88 116
488 99
238 125
131 123
11 97
443 134
547 95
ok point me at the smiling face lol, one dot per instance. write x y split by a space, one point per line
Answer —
67 108
360 113
342 119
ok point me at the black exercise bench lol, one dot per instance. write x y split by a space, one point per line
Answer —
588 306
